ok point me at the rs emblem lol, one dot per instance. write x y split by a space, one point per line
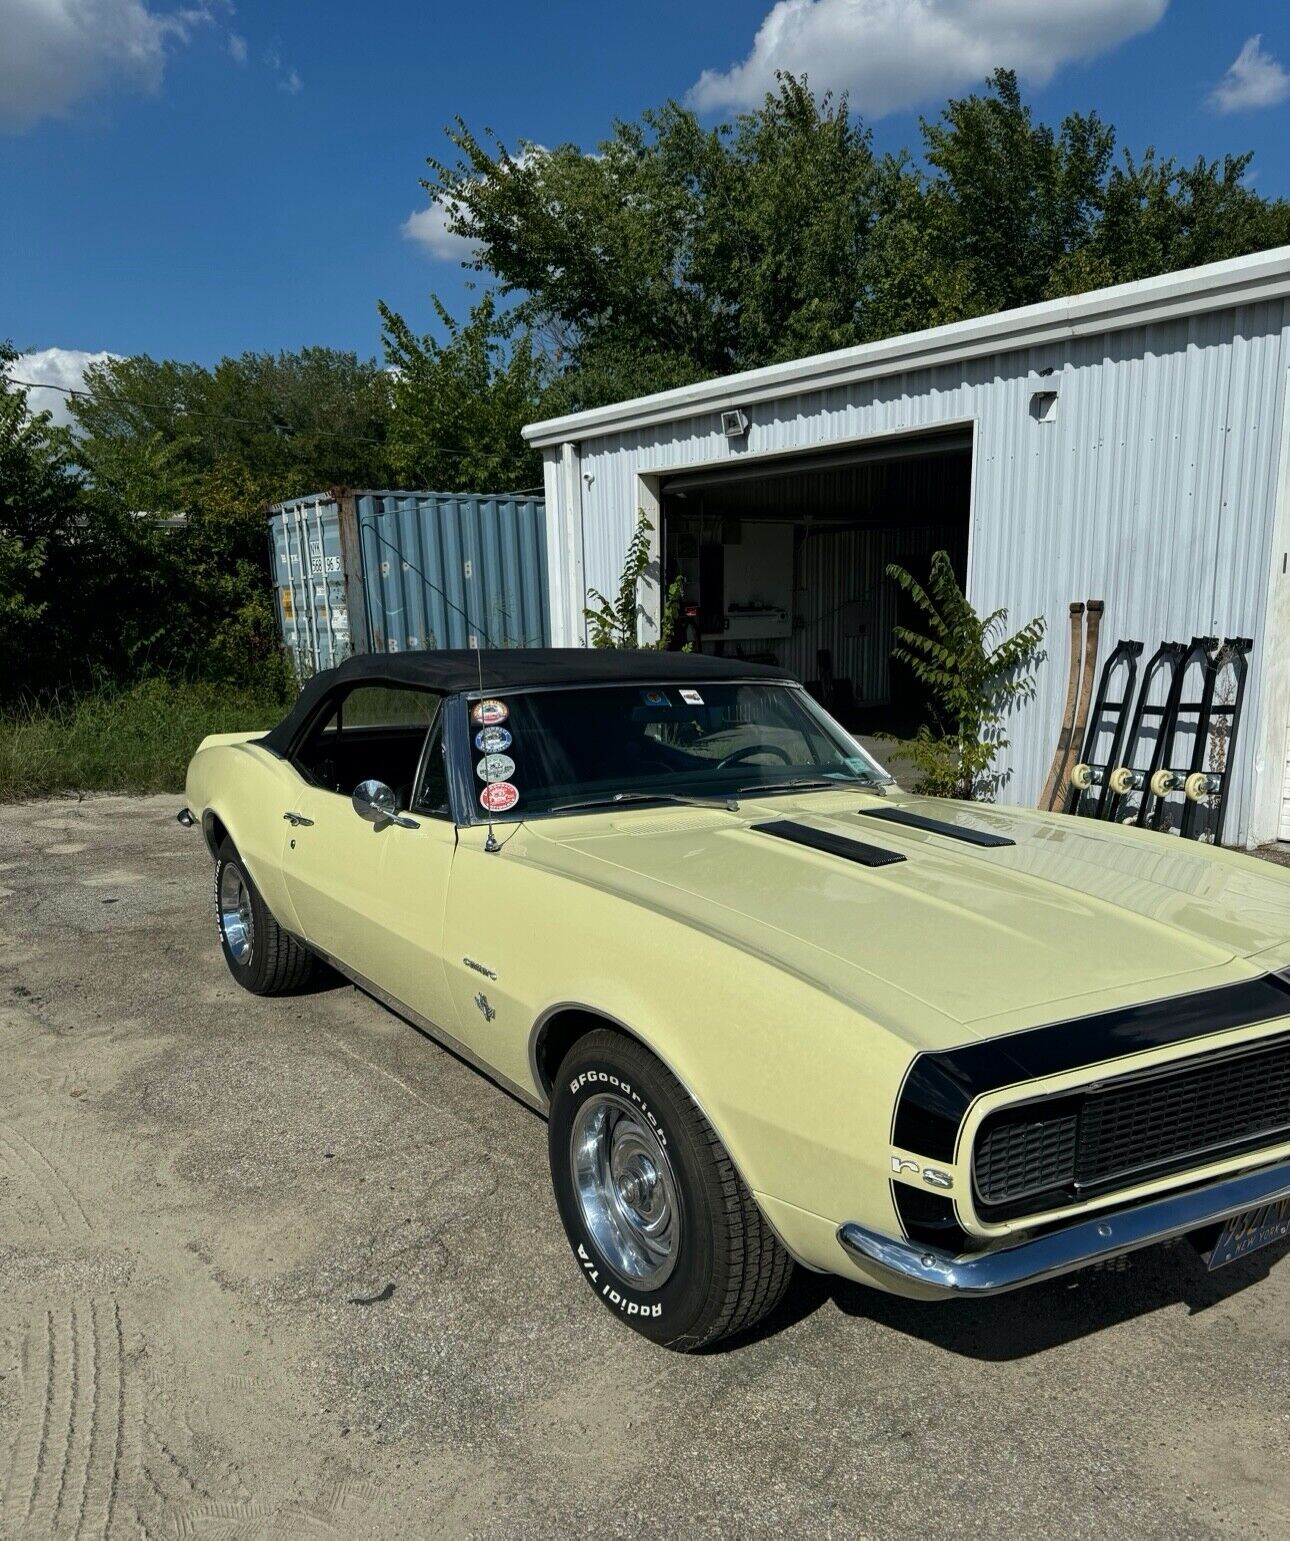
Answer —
932 1176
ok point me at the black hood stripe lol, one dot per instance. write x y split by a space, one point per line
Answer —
835 845
963 832
940 1087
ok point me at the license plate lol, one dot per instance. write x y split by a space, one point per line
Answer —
1250 1230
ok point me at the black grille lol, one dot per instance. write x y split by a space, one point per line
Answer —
1046 1154
1015 1160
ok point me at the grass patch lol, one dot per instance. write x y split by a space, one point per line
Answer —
138 740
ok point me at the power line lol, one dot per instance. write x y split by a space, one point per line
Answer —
222 417
228 417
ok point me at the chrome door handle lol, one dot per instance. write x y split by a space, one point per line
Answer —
296 819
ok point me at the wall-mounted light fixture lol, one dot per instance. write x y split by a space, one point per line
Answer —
734 424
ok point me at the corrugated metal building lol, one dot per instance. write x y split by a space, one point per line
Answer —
1130 445
392 572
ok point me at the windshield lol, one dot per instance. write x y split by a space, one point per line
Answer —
541 751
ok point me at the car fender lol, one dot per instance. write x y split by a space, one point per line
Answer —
245 788
799 1085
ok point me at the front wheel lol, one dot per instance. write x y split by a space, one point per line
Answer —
665 1231
261 956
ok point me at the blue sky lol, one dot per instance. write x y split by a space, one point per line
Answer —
197 178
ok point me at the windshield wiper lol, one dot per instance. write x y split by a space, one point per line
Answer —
728 803
791 786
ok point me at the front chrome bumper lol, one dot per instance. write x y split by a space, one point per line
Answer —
923 1271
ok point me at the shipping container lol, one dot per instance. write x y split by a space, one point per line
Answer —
398 572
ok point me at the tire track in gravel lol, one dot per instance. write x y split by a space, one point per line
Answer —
65 1469
45 1184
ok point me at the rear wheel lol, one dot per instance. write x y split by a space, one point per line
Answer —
666 1233
261 956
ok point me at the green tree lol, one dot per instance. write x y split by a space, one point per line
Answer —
40 509
1006 201
1159 217
675 252
974 674
459 404
183 463
678 252
160 434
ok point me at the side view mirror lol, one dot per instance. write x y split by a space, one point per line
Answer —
375 802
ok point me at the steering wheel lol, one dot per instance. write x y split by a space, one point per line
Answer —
748 750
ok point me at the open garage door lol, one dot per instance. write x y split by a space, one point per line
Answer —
784 561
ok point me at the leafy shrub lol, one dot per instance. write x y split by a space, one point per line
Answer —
974 674
615 622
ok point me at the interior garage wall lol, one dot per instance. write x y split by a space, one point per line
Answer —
844 574
1151 488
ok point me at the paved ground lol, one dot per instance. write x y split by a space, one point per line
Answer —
287 1269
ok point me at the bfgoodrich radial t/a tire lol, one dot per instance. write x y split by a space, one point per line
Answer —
261 956
665 1231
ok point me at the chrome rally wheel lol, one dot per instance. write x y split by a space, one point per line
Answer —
626 1190
261 956
236 923
662 1228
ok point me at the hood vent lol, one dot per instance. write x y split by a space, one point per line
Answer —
962 832
835 845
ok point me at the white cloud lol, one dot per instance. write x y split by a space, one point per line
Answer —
288 78
429 229
58 367
1254 79
53 52
894 54
237 47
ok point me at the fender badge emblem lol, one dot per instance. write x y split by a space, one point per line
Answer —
487 1011
479 968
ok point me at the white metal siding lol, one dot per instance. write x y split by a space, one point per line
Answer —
1153 489
1284 831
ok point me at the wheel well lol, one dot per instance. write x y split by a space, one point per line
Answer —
558 1034
214 831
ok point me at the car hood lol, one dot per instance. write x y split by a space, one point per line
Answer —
1072 909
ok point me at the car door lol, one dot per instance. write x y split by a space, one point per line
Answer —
416 864
347 905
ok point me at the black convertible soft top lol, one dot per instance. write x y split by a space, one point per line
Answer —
454 670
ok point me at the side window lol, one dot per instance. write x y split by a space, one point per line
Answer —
387 706
370 733
432 794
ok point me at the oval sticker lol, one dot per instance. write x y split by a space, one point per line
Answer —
499 796
489 712
492 740
495 767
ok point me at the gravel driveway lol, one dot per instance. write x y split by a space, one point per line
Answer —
285 1268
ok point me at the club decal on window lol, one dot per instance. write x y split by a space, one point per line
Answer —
499 796
492 740
489 713
495 767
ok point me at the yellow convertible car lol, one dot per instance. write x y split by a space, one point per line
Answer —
773 1008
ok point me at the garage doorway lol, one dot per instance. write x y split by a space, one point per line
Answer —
784 561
